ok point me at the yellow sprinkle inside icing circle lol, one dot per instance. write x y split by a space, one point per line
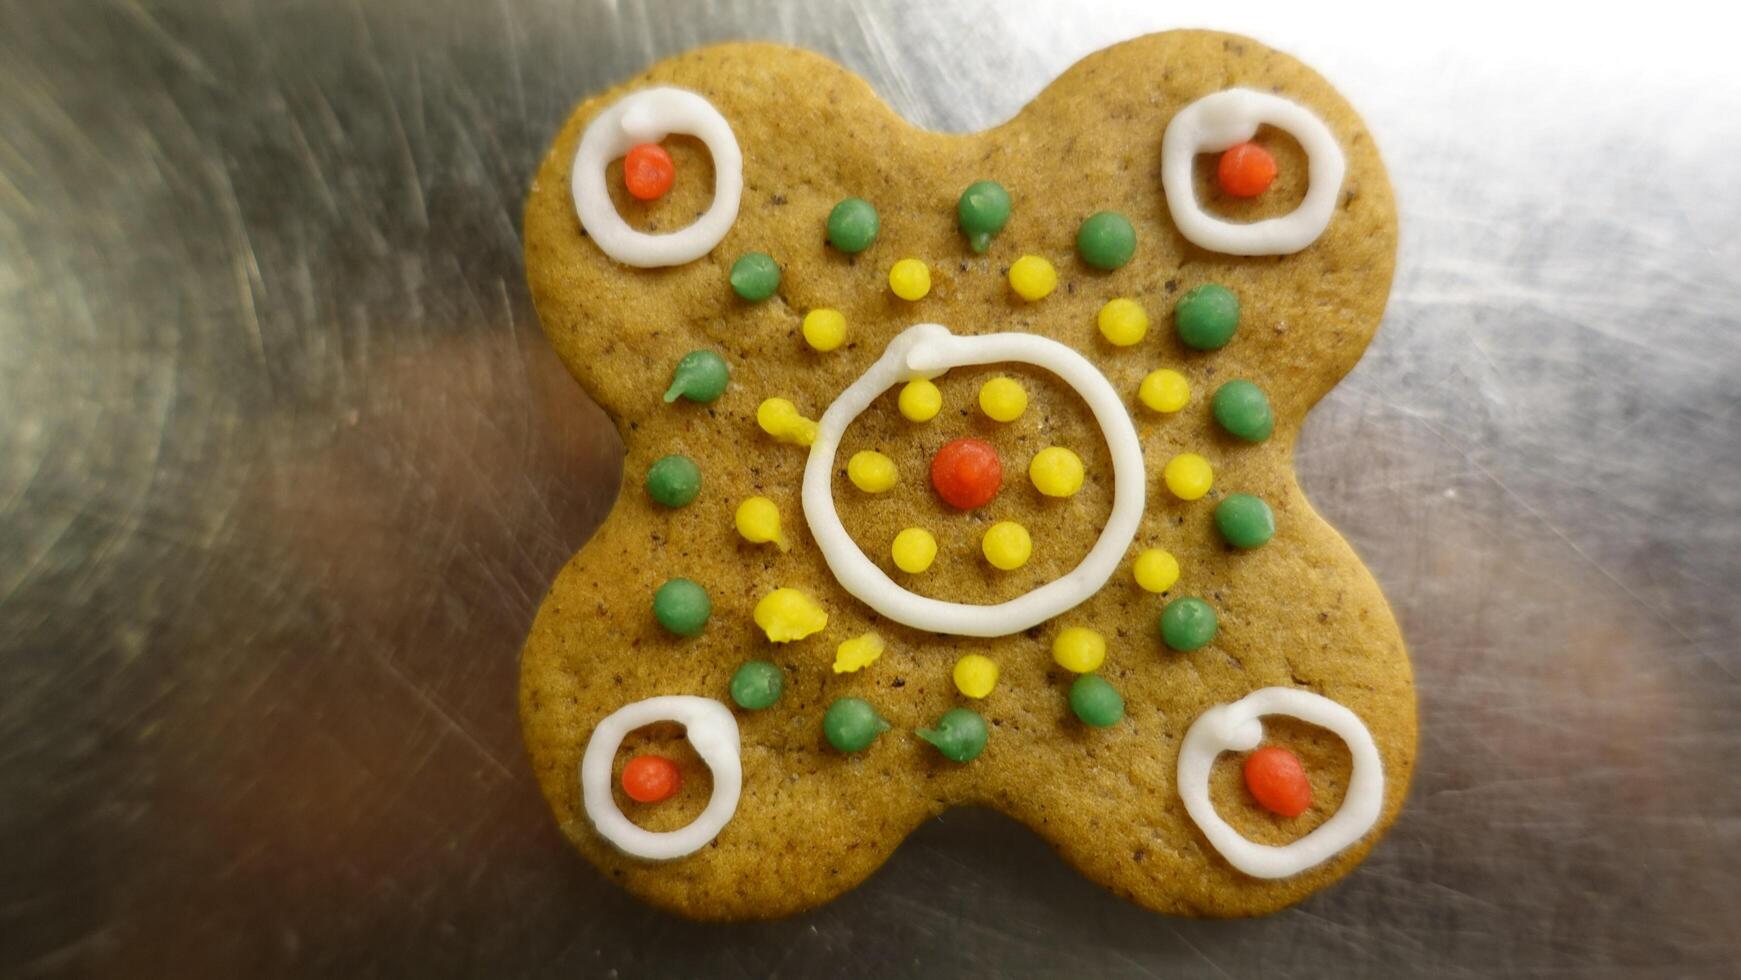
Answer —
871 471
1003 399
758 520
1007 545
788 614
824 329
1188 475
975 675
1033 278
1123 322
780 419
910 279
1079 650
1156 570
1056 471
914 550
920 401
1164 391
858 653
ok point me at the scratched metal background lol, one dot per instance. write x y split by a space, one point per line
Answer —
286 467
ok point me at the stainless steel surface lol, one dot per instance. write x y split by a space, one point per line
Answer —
286 467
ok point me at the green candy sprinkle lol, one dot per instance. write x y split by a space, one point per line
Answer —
674 480
682 607
852 225
851 725
983 210
700 377
757 685
1106 240
1243 410
1207 316
1096 702
1187 624
1245 521
959 735
755 276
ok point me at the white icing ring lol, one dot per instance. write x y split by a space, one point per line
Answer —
1214 123
648 116
713 731
1235 728
925 351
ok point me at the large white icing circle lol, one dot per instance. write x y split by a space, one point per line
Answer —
1214 123
649 116
925 351
713 731
1235 728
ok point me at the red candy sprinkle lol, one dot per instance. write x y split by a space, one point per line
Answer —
967 473
1246 170
651 778
1278 781
648 171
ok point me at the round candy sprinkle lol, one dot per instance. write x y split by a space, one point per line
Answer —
852 225
758 521
975 675
1164 391
788 614
824 329
757 685
1122 322
674 480
914 550
1245 170
910 279
1079 650
1056 471
755 276
872 472
920 401
1243 410
982 211
959 735
1106 240
780 419
1277 781
1187 624
1188 475
648 171
1245 521
858 653
1207 316
682 607
1156 570
651 778
1007 545
851 725
966 473
699 376
1033 278
1003 399
1096 702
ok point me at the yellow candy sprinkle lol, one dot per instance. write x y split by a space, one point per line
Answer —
1156 570
780 419
1006 545
975 675
914 550
787 615
1033 277
824 329
871 471
1123 322
1056 471
910 279
1164 391
1079 650
858 653
1003 399
920 401
1188 475
758 520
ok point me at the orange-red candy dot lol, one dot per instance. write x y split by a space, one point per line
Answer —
1278 781
1246 170
648 171
967 473
651 778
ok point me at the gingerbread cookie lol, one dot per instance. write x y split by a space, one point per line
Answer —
958 472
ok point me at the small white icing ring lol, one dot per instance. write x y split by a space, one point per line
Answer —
648 116
925 351
1214 123
713 731
1235 728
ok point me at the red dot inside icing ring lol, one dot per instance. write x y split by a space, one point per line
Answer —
1246 170
1278 781
967 473
648 171
651 779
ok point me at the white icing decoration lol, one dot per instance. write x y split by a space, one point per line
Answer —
1235 728
713 731
1214 123
925 351
648 116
